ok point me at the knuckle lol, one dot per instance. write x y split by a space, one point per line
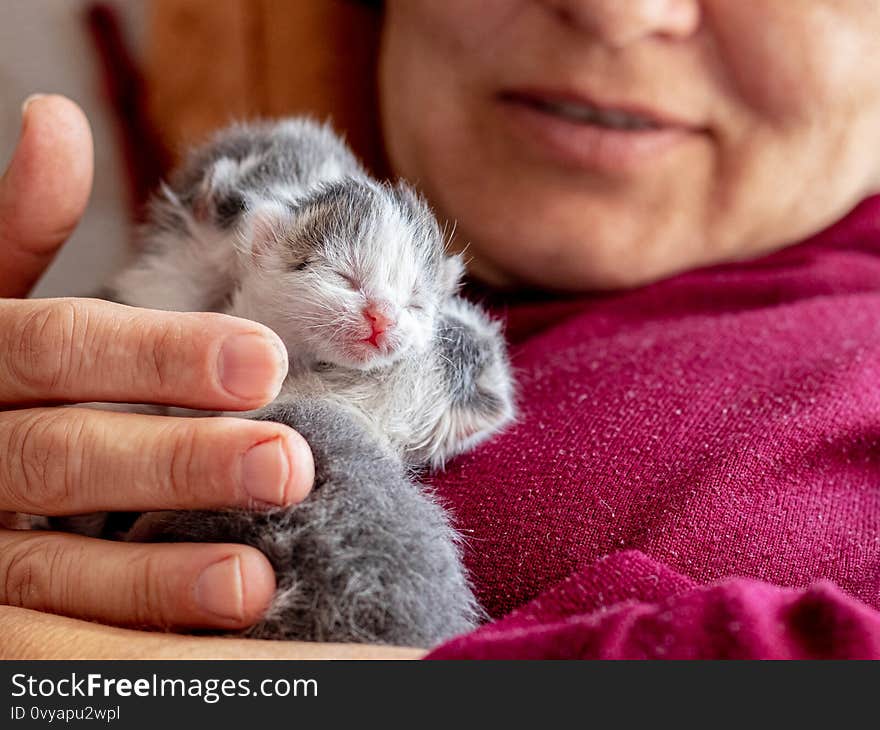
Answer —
182 464
44 343
158 358
149 597
27 570
40 470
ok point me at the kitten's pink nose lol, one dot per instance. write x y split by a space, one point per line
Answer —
380 321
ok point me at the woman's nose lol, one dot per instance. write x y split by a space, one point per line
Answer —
617 23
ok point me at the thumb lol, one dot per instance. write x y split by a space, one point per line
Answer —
44 191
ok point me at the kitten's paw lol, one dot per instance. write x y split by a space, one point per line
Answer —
478 374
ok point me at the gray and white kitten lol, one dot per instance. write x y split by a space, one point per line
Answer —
390 370
279 223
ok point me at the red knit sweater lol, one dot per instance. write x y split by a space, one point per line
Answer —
696 467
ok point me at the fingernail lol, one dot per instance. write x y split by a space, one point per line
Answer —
30 100
219 589
251 367
265 471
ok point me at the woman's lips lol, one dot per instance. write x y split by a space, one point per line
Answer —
580 133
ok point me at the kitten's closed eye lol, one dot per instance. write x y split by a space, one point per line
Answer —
350 280
302 265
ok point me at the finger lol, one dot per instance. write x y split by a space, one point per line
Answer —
83 350
66 461
44 191
26 634
167 586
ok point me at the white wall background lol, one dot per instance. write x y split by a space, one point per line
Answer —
44 47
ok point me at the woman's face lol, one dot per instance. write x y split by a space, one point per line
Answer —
602 143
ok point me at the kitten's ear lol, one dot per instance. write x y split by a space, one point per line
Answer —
264 226
451 271
215 199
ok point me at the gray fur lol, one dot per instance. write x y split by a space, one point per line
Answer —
280 224
367 557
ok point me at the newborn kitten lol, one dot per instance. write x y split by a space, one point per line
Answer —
389 370
279 223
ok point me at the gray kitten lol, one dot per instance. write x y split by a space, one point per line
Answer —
390 371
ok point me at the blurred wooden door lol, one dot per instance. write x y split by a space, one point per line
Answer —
209 62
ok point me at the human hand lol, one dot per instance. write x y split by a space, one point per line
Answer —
63 461
32 635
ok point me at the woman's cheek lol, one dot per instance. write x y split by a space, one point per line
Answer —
789 63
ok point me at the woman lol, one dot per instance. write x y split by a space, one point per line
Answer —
714 419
